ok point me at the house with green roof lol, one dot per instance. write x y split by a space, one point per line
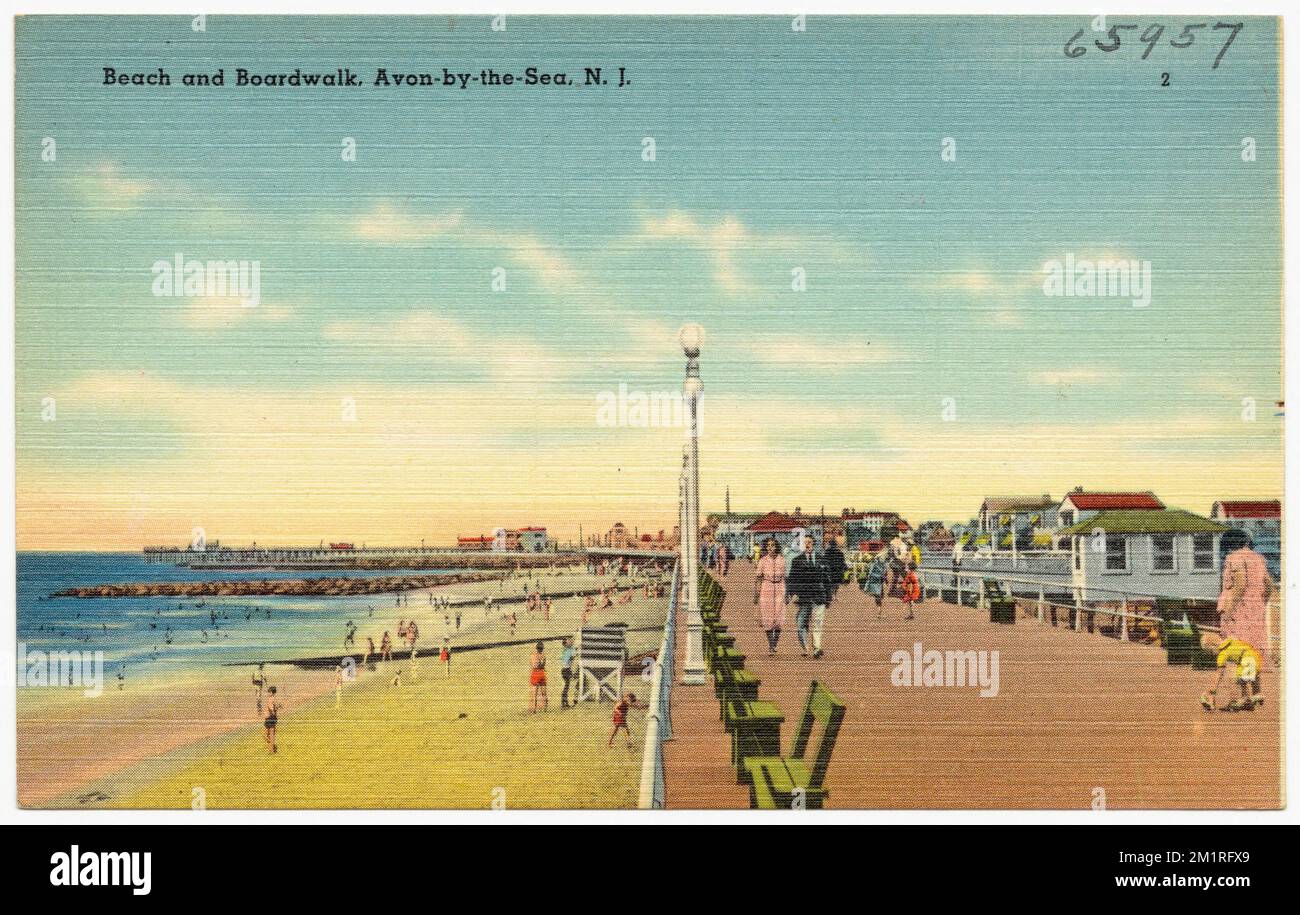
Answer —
1164 552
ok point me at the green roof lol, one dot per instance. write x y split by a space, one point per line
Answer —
1163 521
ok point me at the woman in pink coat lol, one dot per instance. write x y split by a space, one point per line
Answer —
769 592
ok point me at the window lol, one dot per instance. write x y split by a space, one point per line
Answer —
1203 552
1162 553
1116 554
1067 518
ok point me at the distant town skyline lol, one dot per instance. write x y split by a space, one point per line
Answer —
440 318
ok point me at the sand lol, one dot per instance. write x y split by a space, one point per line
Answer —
433 742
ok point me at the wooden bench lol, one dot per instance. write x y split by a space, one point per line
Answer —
755 728
781 782
730 684
1002 606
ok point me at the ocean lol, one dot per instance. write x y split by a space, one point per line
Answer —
149 636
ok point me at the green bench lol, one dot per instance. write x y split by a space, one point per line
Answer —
780 783
729 684
755 728
1002 606
1181 637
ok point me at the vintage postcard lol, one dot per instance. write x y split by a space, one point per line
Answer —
600 412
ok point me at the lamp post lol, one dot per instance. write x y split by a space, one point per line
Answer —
691 338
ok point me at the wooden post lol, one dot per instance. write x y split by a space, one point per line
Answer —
980 605
1123 625
1040 603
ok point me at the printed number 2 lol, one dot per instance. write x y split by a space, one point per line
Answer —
1164 79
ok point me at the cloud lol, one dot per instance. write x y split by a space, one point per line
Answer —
224 312
721 240
386 224
108 188
428 335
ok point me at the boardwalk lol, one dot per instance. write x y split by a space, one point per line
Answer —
1075 712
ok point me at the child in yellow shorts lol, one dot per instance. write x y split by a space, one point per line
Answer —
1247 662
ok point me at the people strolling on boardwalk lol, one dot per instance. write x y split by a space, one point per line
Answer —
911 590
874 583
769 593
808 586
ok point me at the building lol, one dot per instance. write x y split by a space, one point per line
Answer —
1161 553
1009 523
787 529
1262 520
729 530
869 525
475 543
1079 506
936 539
521 540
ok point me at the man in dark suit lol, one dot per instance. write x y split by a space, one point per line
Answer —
807 584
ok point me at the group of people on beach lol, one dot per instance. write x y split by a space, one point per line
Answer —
538 701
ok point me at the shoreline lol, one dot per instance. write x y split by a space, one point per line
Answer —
76 753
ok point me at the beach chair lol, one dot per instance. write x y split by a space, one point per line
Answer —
599 659
776 782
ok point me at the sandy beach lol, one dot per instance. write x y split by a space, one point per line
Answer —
435 741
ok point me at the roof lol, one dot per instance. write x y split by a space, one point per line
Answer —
1258 509
1162 521
1018 503
1106 501
774 521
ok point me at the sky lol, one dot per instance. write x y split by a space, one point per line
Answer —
383 391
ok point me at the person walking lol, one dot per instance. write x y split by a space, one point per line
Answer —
769 593
835 569
808 585
1247 590
874 584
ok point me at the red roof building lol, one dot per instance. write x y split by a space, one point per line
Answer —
1114 501
1247 509
775 522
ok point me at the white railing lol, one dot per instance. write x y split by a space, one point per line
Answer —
1123 608
658 721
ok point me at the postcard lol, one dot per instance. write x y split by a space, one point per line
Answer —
502 412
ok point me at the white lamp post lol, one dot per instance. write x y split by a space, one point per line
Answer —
691 337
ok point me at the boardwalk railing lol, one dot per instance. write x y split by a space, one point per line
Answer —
658 721
1123 608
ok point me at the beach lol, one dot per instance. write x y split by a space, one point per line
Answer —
433 741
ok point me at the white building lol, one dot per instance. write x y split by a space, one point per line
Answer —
1159 553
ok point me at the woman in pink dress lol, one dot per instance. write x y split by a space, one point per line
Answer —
769 592
1243 603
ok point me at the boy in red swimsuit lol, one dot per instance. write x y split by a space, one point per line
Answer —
620 718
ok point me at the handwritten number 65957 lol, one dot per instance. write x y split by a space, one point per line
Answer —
1150 37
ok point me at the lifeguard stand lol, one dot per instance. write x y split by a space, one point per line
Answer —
601 654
